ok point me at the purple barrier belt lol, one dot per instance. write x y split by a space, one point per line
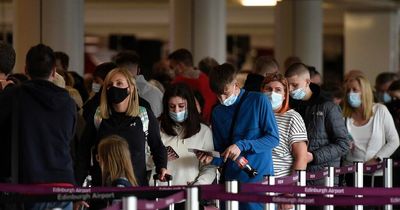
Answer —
37 189
372 168
345 170
317 175
309 200
115 206
287 180
10 193
161 203
319 190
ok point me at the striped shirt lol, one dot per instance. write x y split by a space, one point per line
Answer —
291 130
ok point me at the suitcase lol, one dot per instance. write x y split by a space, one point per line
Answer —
156 178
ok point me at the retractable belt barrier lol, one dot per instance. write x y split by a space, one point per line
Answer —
248 192
145 204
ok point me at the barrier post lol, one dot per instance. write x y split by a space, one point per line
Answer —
232 187
129 203
388 174
192 198
302 183
217 180
271 182
359 181
330 182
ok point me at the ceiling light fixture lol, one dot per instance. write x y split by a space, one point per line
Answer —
258 2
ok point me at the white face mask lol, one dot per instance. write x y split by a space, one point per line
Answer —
96 87
276 99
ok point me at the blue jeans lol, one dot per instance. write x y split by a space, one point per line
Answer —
49 206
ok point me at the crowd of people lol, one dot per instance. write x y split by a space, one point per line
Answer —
121 129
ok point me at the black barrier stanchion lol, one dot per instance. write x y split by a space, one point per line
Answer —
232 187
388 175
271 182
330 182
359 181
129 203
192 198
301 182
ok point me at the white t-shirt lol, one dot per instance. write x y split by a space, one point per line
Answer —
291 130
361 136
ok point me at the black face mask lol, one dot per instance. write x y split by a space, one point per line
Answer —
116 95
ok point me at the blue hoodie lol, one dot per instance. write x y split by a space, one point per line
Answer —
255 133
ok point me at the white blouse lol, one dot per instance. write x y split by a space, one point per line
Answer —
378 138
187 168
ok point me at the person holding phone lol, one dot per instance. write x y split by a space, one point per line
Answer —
181 129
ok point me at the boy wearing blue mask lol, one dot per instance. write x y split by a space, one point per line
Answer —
243 125
326 131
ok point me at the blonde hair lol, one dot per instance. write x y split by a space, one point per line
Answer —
133 105
367 98
113 152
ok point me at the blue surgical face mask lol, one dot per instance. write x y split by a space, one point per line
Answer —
354 99
298 94
230 100
276 99
386 97
178 117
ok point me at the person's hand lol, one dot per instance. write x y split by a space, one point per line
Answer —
4 83
310 157
352 146
372 161
231 152
285 206
204 158
163 172
79 204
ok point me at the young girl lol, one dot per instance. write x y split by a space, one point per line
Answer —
115 162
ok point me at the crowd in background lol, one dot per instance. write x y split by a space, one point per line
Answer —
122 128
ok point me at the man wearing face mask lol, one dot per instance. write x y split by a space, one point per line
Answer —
326 131
243 125
382 83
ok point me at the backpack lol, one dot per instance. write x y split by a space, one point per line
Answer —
142 114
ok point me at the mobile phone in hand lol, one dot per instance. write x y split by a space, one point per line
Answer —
172 155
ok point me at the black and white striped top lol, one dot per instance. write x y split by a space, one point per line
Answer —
291 130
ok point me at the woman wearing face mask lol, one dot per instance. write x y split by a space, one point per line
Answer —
291 153
119 113
371 127
181 129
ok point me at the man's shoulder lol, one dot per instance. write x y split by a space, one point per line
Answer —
151 91
256 98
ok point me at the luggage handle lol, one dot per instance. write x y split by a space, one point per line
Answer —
168 177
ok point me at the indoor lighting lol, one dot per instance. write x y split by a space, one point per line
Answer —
258 2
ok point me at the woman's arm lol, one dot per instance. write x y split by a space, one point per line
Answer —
207 172
299 152
157 148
